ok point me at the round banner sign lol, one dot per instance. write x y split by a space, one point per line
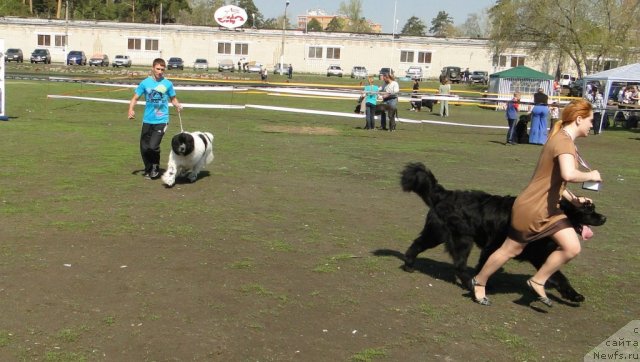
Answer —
230 16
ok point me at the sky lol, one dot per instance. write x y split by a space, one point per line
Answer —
380 11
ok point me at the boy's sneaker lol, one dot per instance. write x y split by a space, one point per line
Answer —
155 172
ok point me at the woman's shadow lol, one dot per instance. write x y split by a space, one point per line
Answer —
501 283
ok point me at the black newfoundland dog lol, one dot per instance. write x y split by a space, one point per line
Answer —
460 219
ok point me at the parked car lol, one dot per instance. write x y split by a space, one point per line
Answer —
226 65
98 59
121 61
255 68
385 71
175 63
575 88
41 56
414 72
285 68
201 64
76 57
335 70
454 74
566 79
359 71
480 76
13 55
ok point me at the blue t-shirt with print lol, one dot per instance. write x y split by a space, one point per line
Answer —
156 95
371 93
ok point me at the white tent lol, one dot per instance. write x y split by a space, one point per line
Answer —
625 74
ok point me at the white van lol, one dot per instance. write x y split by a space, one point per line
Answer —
566 79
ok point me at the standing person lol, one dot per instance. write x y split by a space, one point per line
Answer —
554 113
539 114
445 90
370 94
158 92
290 71
536 213
466 75
512 118
389 96
416 103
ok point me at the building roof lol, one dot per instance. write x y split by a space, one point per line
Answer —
522 72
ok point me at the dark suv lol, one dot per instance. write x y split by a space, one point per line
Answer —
41 56
454 74
13 55
76 57
175 63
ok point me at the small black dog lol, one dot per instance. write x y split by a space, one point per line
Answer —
460 219
391 111
521 129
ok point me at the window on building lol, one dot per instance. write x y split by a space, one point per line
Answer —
499 60
242 49
134 44
60 40
333 53
224 48
517 61
151 44
315 52
406 56
44 40
424 57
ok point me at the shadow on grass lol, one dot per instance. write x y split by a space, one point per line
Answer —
500 283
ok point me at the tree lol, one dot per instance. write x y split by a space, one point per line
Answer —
442 24
355 22
336 24
314 25
251 9
276 23
14 8
585 31
471 27
414 27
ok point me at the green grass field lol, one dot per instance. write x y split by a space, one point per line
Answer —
274 253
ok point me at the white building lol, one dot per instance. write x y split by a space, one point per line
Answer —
307 52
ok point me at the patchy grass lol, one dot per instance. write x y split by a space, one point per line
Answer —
274 253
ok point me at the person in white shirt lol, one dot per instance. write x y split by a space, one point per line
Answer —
389 96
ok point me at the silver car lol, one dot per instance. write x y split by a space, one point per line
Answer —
201 64
359 72
334 70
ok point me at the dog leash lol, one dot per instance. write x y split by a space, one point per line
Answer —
180 118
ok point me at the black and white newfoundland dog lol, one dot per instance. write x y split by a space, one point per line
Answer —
460 219
190 153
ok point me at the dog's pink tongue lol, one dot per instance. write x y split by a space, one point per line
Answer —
587 233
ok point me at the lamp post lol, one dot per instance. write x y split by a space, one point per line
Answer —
284 25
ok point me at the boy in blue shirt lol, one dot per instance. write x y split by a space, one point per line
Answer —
512 118
158 92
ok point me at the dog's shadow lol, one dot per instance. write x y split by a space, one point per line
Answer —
179 180
501 283
185 181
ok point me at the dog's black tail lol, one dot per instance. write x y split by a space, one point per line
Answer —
419 179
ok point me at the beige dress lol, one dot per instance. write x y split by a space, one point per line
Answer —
536 212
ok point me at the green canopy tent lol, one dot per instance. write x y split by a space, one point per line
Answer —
519 79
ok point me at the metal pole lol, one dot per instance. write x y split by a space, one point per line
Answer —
66 29
284 24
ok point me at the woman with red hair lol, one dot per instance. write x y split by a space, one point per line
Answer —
536 213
